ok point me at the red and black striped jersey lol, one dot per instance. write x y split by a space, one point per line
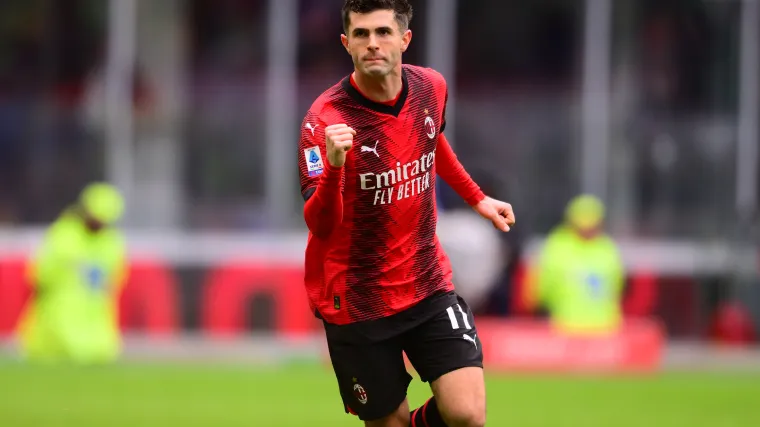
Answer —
372 248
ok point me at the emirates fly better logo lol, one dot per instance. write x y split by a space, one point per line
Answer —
404 181
407 180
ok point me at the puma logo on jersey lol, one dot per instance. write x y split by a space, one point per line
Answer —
470 339
311 128
366 149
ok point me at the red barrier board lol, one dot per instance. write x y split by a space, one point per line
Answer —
535 346
148 301
14 292
229 286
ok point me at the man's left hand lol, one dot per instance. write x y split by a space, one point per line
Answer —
498 212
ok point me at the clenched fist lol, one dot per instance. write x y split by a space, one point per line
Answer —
338 139
499 213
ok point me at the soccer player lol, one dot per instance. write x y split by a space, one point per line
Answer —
370 149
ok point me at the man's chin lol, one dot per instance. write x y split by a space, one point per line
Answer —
375 71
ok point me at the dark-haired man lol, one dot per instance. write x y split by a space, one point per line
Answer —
370 149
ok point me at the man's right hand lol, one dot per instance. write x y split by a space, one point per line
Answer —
338 139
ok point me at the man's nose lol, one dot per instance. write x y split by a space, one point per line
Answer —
372 45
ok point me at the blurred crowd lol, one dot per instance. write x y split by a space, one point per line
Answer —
518 67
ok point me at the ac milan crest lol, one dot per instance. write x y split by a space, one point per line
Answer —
360 393
430 127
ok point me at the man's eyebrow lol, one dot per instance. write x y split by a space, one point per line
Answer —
358 30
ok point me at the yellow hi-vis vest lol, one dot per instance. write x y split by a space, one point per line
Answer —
580 282
76 277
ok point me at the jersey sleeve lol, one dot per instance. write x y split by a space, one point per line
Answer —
442 94
312 153
321 184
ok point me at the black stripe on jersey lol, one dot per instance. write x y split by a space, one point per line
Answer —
394 110
443 116
308 193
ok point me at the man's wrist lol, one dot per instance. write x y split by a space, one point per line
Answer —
330 168
475 198
332 174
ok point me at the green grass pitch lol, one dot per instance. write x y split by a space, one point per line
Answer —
159 395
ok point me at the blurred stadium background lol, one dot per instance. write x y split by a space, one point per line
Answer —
193 108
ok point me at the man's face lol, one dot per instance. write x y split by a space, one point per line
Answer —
91 223
588 233
375 42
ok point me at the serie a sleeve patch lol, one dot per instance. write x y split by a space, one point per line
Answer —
314 164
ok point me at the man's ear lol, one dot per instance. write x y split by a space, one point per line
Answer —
344 41
406 39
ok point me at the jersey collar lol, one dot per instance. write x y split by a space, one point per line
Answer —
393 110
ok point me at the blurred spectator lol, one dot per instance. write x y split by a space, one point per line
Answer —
476 252
579 277
76 277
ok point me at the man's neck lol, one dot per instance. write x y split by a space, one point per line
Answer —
380 90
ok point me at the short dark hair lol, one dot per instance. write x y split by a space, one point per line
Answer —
401 9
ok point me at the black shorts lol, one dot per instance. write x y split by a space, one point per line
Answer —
438 336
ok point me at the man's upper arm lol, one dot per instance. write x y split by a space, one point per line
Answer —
619 268
312 153
50 257
121 269
546 272
442 91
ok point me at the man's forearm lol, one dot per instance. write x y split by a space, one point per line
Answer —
323 211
